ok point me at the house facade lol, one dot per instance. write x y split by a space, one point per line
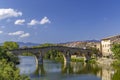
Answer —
107 43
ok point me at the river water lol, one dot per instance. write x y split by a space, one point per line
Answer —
51 70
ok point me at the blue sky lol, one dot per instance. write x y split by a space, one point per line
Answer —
55 21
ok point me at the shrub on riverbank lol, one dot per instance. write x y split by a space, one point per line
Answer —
54 55
116 64
77 59
93 61
8 71
27 54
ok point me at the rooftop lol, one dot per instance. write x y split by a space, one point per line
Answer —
107 38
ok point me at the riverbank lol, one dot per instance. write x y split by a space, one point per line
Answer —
105 61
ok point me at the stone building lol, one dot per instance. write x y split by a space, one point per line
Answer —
96 45
106 44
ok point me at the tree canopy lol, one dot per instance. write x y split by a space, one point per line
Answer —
8 69
116 50
9 45
44 45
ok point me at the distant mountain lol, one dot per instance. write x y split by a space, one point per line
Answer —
28 44
92 41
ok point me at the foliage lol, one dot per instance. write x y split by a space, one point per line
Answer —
54 55
47 45
44 45
116 50
116 76
8 56
92 60
116 64
8 71
27 54
9 45
77 59
8 61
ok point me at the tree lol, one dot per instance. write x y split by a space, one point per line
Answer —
44 45
116 50
9 45
8 69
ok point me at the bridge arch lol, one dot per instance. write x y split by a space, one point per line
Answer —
66 55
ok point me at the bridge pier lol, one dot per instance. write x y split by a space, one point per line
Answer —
67 57
40 60
88 56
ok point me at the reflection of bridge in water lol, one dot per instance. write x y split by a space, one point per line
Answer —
81 68
71 68
66 51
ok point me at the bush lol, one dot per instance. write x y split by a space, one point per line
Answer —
92 61
8 71
77 59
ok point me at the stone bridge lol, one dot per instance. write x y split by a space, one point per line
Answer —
66 51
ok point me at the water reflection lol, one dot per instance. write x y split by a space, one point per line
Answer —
52 70
40 71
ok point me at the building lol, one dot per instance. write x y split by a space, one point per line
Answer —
106 44
96 45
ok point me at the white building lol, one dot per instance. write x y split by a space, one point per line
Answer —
107 44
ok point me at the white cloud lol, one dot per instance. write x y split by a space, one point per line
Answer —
21 34
16 33
33 22
7 13
1 32
24 35
19 22
45 20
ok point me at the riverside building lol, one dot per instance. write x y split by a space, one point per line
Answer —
107 44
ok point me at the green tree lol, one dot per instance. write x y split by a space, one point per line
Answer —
9 45
54 55
4 54
44 45
116 50
8 69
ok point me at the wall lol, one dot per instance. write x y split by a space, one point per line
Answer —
106 47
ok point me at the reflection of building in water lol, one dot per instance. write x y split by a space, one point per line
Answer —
106 74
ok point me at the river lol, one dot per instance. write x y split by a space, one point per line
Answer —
51 70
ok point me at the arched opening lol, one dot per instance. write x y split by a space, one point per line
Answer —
55 55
